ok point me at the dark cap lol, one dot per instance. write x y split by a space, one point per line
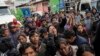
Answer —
87 11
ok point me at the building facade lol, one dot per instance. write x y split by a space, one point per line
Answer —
70 3
39 6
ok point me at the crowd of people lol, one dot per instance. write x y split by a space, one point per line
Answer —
60 34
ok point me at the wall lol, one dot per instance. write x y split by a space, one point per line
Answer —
41 6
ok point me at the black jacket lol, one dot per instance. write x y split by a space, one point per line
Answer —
96 41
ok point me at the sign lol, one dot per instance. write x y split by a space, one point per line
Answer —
18 14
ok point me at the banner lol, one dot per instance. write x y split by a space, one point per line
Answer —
61 4
54 6
18 14
26 12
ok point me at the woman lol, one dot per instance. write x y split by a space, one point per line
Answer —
21 39
81 31
68 25
50 40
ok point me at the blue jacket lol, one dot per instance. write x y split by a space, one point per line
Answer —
80 40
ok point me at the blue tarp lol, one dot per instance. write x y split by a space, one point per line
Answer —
26 12
61 4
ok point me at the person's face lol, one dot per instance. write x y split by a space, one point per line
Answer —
30 24
52 29
35 38
63 49
29 19
54 20
34 24
29 52
62 15
22 39
22 29
14 29
94 10
26 29
6 32
2 27
88 14
45 35
72 39
44 22
87 54
47 16
80 28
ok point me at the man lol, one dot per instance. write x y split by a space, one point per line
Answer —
7 49
88 21
62 22
85 50
5 34
74 39
35 40
14 34
27 50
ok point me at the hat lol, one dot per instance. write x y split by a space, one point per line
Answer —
87 11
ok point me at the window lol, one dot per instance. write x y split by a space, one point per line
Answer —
67 4
85 6
4 11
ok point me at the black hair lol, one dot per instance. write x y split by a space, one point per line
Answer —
93 8
42 31
32 33
50 26
24 47
87 12
68 34
62 41
83 48
82 16
3 30
22 34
